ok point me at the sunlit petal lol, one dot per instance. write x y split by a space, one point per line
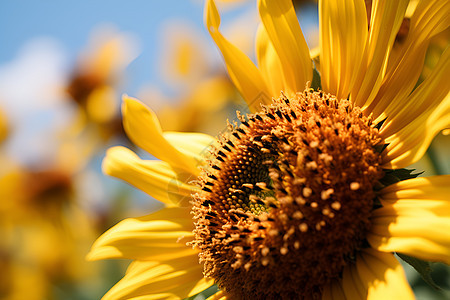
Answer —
414 219
171 279
386 18
282 27
156 178
194 145
429 19
244 74
143 128
425 98
343 34
220 295
269 63
159 236
410 143
382 276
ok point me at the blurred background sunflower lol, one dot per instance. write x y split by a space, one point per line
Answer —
63 69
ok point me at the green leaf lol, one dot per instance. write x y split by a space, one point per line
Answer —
422 267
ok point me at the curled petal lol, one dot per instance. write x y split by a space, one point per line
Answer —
244 74
143 128
154 177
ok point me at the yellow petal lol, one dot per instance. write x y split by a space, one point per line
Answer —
352 286
333 291
111 53
414 122
220 295
159 236
414 219
244 74
172 279
282 27
425 98
343 34
101 104
386 18
269 63
429 19
382 276
142 127
154 177
191 144
408 145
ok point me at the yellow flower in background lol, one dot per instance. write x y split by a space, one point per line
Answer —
44 233
98 72
195 75
305 198
196 111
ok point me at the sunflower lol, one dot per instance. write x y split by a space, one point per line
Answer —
94 80
306 197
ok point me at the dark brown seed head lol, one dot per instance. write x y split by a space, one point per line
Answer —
288 205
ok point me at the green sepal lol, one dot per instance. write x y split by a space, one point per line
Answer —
316 83
394 176
422 267
205 293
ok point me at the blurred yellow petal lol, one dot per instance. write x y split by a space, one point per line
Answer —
191 144
172 279
159 236
218 87
196 112
184 57
429 19
282 27
110 52
142 126
382 276
414 219
269 63
21 277
244 74
154 177
386 18
343 34
101 105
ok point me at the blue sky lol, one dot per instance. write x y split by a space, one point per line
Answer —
71 22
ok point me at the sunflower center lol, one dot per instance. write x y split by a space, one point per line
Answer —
286 202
